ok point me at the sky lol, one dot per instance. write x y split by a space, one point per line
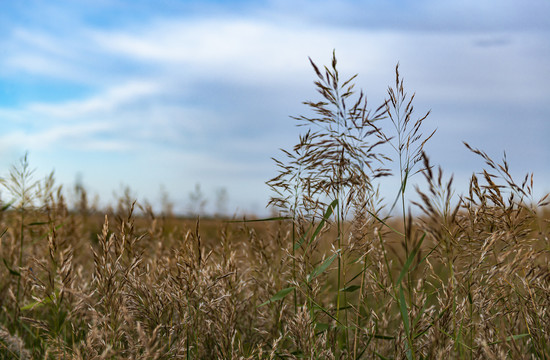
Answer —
169 94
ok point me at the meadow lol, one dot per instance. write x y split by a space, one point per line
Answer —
330 276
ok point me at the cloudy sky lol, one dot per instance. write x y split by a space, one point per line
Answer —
174 93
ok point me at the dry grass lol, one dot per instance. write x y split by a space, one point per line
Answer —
331 277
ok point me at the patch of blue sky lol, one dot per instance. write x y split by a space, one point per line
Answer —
115 14
21 90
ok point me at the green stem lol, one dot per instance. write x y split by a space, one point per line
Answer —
21 243
359 301
338 239
294 260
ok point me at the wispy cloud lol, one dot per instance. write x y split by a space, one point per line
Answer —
77 135
108 101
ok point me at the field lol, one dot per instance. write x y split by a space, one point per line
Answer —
329 276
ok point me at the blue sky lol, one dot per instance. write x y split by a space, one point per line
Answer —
175 93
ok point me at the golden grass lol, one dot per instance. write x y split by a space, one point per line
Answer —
332 277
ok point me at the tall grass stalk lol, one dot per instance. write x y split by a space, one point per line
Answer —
338 157
20 186
408 143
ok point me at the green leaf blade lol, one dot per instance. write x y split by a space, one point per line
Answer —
321 268
278 296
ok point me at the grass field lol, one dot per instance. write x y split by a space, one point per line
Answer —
330 276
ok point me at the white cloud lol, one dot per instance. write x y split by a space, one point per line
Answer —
239 49
110 100
234 45
79 135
